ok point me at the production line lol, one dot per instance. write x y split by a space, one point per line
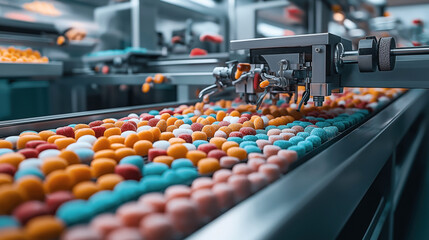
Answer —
308 136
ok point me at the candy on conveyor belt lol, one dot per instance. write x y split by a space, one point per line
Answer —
161 174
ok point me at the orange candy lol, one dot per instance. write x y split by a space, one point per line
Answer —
69 156
208 165
13 234
209 130
142 123
218 141
31 188
116 146
84 190
102 166
5 179
259 123
197 135
248 124
10 198
26 138
80 126
177 151
12 158
226 130
44 227
108 181
171 121
195 156
162 125
58 180
176 140
237 152
220 115
53 138
165 116
108 125
229 144
146 135
64 142
46 134
124 152
79 173
116 139
131 139
178 123
211 119
235 113
142 147
6 144
51 164
112 131
119 124
171 128
108 120
106 153
235 126
100 144
84 131
156 132
164 159
166 136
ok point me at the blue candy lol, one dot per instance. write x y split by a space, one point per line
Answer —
235 139
341 127
5 150
247 143
295 140
199 142
309 129
31 163
154 169
303 134
298 149
250 138
8 222
182 163
281 127
261 131
283 144
187 175
85 155
323 124
135 160
252 149
307 145
153 112
320 133
316 140
262 136
171 177
153 183
128 190
268 128
104 201
75 212
187 121
29 172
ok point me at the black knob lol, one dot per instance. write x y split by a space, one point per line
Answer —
367 59
386 60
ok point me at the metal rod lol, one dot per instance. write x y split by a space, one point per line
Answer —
350 57
410 51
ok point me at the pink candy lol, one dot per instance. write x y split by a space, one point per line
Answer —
241 186
289 155
254 163
248 131
274 132
202 183
132 213
274 138
271 171
216 153
236 134
177 191
242 168
271 150
257 181
207 147
280 161
228 162
222 175
156 200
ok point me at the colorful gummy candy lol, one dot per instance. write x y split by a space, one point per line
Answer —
161 174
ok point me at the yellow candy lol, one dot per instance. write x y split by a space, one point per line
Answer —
195 156
164 159
44 227
142 147
101 144
31 188
58 180
112 131
84 190
208 165
237 152
79 173
177 151
102 166
108 181
10 198
218 141
51 164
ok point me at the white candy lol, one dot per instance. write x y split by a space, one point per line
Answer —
265 119
341 103
158 116
197 112
133 115
50 153
13 140
234 120
79 145
189 146
143 128
88 139
161 144
30 163
179 131
220 133
185 126
136 120
127 133
227 118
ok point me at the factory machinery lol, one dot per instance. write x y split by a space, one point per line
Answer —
355 186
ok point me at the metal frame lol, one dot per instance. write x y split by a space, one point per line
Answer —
316 200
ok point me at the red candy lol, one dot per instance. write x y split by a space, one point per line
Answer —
34 143
133 123
242 119
128 126
29 152
99 131
166 111
207 147
29 210
56 199
45 146
128 172
236 134
247 131
147 117
7 169
223 123
65 131
155 152
216 153
197 127
186 137
95 123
